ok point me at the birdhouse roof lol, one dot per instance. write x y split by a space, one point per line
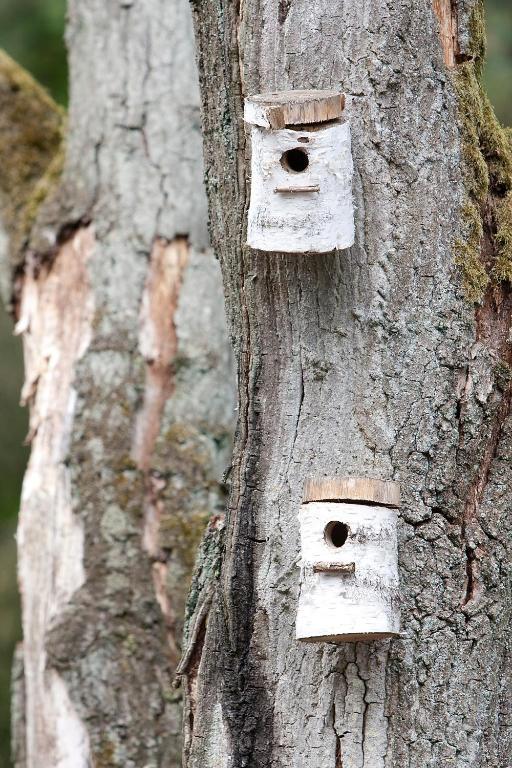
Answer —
279 109
362 489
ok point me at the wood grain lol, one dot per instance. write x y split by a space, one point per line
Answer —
347 568
383 492
285 108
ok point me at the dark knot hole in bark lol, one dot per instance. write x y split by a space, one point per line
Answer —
295 160
336 533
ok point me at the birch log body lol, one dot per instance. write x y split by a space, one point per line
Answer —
302 211
337 606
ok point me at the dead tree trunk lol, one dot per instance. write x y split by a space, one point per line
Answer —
128 377
389 360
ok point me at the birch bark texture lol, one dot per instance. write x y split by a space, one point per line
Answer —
129 380
389 360
301 177
348 587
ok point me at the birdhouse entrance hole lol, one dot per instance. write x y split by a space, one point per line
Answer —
295 160
336 533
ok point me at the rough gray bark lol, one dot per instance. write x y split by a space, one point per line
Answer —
370 362
130 386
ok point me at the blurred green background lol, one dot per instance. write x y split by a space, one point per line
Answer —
498 70
31 31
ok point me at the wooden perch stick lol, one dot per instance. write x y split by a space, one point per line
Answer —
286 190
347 568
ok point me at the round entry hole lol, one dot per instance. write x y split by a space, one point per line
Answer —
295 160
336 533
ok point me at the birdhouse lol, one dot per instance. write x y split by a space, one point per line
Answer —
301 172
349 567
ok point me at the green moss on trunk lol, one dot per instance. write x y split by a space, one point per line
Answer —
31 150
487 154
503 265
467 253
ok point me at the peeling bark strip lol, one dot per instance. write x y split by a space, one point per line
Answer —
55 298
158 343
348 364
446 12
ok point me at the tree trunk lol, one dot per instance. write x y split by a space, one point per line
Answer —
130 386
389 360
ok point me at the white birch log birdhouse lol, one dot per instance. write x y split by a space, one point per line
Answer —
349 564
301 172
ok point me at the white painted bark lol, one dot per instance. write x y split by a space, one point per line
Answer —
347 607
